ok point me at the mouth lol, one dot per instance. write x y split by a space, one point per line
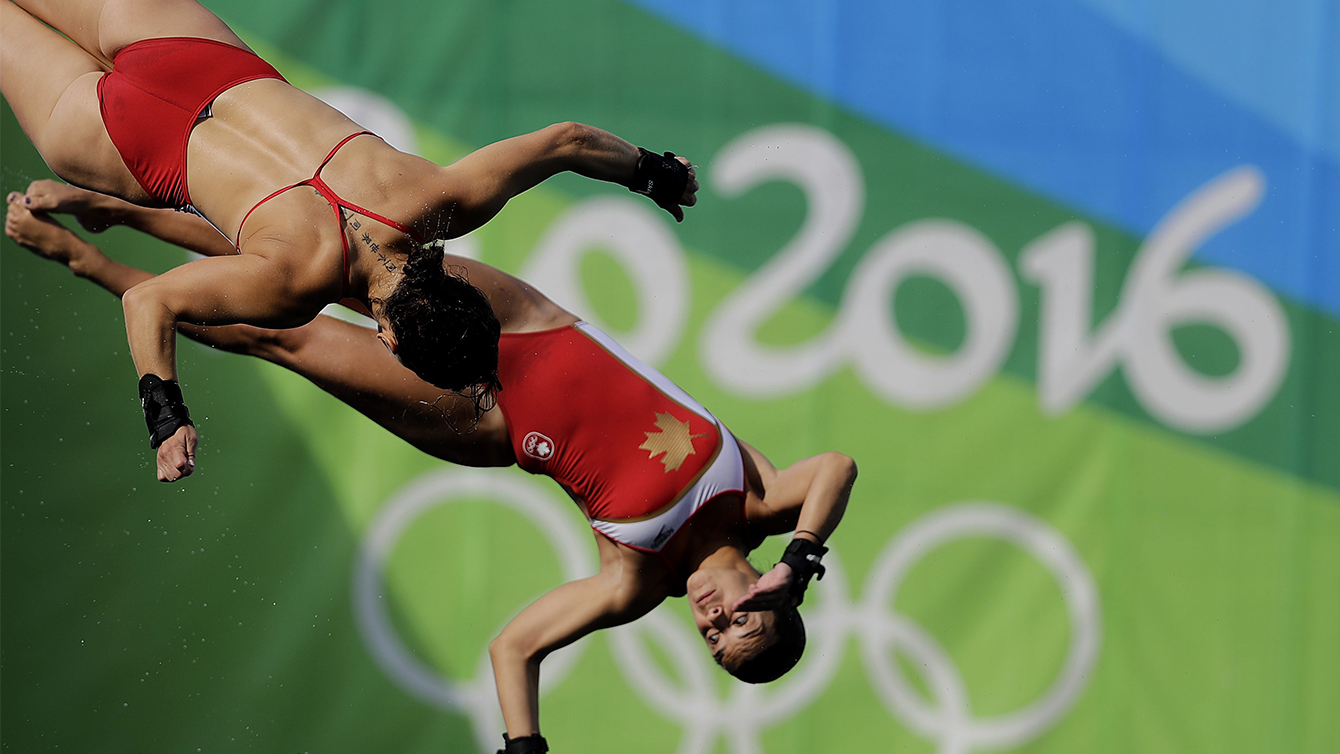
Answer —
702 599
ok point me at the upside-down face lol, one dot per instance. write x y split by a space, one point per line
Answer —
730 635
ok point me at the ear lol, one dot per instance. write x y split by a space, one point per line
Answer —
388 340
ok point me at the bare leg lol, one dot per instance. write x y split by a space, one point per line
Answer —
44 236
97 212
51 85
343 359
103 27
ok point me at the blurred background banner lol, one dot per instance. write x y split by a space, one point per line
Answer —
1062 275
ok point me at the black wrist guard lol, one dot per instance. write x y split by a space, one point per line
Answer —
660 178
532 744
164 411
803 557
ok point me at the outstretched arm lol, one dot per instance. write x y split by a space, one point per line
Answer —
343 359
556 620
487 178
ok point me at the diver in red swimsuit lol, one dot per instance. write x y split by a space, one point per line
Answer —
159 103
675 500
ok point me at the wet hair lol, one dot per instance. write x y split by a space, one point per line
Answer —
446 329
766 662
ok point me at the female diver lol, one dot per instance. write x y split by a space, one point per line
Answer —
675 500
159 103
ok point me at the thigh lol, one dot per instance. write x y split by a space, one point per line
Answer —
51 84
102 27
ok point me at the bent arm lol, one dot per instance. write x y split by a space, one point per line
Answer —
556 620
248 289
213 291
492 175
809 497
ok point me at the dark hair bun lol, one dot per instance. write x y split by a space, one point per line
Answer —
446 329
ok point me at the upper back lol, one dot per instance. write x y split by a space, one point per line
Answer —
519 306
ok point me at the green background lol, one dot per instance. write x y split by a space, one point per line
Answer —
217 616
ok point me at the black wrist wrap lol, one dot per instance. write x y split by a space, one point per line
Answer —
803 557
661 178
532 744
164 411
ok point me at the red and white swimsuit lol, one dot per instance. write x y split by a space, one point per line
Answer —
633 449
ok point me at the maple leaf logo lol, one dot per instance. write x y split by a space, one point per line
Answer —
671 438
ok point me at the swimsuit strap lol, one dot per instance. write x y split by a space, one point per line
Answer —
330 193
336 202
337 148
315 176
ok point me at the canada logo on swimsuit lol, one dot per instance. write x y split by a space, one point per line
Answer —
538 446
671 441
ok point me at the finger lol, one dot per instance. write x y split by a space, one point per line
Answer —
677 213
181 463
744 604
14 196
756 599
754 605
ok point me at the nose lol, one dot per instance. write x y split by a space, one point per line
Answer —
717 616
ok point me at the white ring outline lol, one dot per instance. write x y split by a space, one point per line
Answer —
830 615
954 727
478 696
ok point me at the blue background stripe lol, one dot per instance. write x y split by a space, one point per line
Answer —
1057 97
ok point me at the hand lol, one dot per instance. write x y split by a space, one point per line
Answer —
176 456
771 591
88 207
690 196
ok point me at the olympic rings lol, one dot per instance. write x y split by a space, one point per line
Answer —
830 616
477 697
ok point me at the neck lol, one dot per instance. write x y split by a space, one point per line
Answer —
379 281
718 543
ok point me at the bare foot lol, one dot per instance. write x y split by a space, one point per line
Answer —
86 206
42 234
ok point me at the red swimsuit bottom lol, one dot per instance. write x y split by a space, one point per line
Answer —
155 94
